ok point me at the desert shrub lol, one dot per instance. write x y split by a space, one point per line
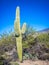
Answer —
9 38
44 39
6 38
29 56
28 38
14 63
7 42
28 42
3 61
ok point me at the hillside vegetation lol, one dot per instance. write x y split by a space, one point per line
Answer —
34 48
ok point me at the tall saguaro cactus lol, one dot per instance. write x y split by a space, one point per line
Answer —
18 33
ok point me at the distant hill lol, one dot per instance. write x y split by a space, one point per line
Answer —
44 30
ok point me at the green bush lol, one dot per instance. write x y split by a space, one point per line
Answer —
6 38
1 60
14 63
9 38
44 39
28 39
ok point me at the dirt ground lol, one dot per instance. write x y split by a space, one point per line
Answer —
38 62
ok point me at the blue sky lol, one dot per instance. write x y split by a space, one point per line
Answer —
34 12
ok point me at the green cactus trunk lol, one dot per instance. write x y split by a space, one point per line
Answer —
19 47
18 33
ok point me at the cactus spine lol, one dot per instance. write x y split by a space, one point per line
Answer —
18 33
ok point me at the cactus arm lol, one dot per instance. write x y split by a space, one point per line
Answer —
17 21
23 28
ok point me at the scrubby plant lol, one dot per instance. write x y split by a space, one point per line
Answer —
30 30
29 41
44 39
28 38
14 63
18 33
6 39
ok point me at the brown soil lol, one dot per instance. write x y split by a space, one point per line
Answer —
29 62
